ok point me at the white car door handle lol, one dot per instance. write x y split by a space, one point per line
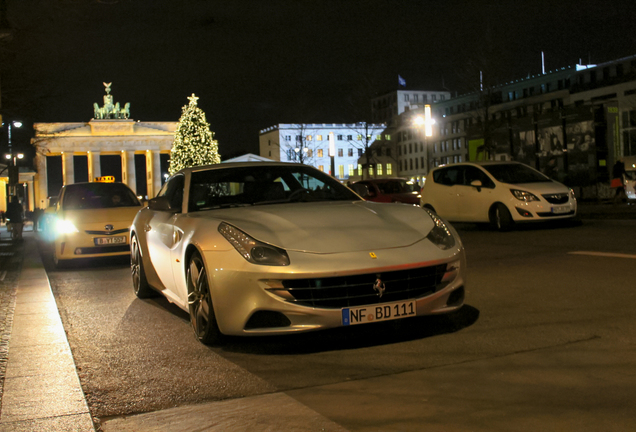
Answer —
147 228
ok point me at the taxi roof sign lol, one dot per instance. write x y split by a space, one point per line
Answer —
105 179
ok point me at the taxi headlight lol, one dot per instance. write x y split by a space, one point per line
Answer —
64 226
440 235
253 250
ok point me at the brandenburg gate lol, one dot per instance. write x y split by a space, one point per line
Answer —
82 146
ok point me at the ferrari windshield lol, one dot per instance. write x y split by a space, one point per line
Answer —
515 173
263 184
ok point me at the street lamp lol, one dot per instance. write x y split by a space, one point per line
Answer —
427 121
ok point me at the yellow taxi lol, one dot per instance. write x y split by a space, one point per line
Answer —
93 220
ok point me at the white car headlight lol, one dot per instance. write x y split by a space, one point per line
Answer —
440 235
525 196
253 250
63 226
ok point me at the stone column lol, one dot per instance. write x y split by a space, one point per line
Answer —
149 171
3 195
42 190
94 167
156 173
68 173
128 169
31 194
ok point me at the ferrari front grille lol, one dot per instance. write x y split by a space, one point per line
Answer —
358 290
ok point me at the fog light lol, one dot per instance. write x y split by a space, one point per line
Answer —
524 213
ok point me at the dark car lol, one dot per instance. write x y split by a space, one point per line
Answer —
390 190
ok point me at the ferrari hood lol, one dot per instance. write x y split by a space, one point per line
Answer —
331 227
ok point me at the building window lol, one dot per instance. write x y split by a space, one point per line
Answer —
309 153
321 168
319 152
371 171
388 151
351 170
434 97
340 152
341 171
350 152
339 137
298 138
360 170
379 167
387 137
359 152
414 98
389 169
287 137
406 98
349 137
318 137
411 164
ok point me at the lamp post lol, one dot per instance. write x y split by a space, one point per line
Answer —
12 157
14 173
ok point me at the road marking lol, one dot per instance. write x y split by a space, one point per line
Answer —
603 254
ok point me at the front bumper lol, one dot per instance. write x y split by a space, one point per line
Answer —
250 300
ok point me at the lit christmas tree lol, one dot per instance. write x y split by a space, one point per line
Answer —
194 143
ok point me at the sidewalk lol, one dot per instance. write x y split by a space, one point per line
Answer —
41 390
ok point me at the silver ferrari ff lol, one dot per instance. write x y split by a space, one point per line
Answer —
273 248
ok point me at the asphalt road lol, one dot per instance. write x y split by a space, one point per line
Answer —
546 341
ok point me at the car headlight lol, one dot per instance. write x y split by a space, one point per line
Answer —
64 226
253 250
440 235
524 195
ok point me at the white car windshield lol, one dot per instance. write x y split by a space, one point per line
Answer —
259 185
515 173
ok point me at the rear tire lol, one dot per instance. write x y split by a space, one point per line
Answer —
140 284
200 305
500 218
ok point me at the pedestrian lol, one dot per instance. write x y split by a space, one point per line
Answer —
15 218
618 181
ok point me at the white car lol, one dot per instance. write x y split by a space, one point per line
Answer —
501 193
274 248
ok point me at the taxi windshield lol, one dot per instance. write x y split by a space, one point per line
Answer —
98 196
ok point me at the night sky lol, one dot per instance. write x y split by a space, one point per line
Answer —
255 63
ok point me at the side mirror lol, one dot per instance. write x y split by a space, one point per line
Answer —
160 203
360 189
476 184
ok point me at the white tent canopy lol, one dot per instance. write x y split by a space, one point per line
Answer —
249 157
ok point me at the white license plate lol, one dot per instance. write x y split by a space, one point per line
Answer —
110 240
560 209
380 312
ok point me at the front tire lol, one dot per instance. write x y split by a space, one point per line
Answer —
140 284
202 315
500 218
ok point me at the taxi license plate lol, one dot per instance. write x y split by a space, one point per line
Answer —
380 312
560 209
110 240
